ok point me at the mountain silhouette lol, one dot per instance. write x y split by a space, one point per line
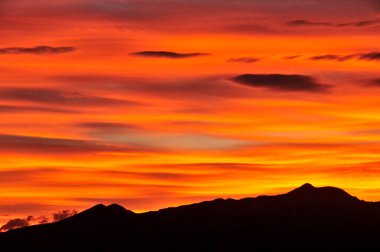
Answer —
305 219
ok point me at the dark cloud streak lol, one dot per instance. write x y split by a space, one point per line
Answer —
359 24
291 57
281 82
371 56
44 145
53 96
374 83
32 109
38 50
107 126
333 57
244 60
167 54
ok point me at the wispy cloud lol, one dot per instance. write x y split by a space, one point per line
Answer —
30 220
14 223
64 214
179 88
172 141
23 222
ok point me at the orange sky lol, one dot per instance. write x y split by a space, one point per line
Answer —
152 104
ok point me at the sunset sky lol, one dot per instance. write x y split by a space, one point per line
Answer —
153 103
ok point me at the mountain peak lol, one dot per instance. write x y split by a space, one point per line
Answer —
328 193
115 208
307 186
304 189
98 206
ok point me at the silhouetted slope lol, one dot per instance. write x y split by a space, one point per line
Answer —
305 219
102 228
